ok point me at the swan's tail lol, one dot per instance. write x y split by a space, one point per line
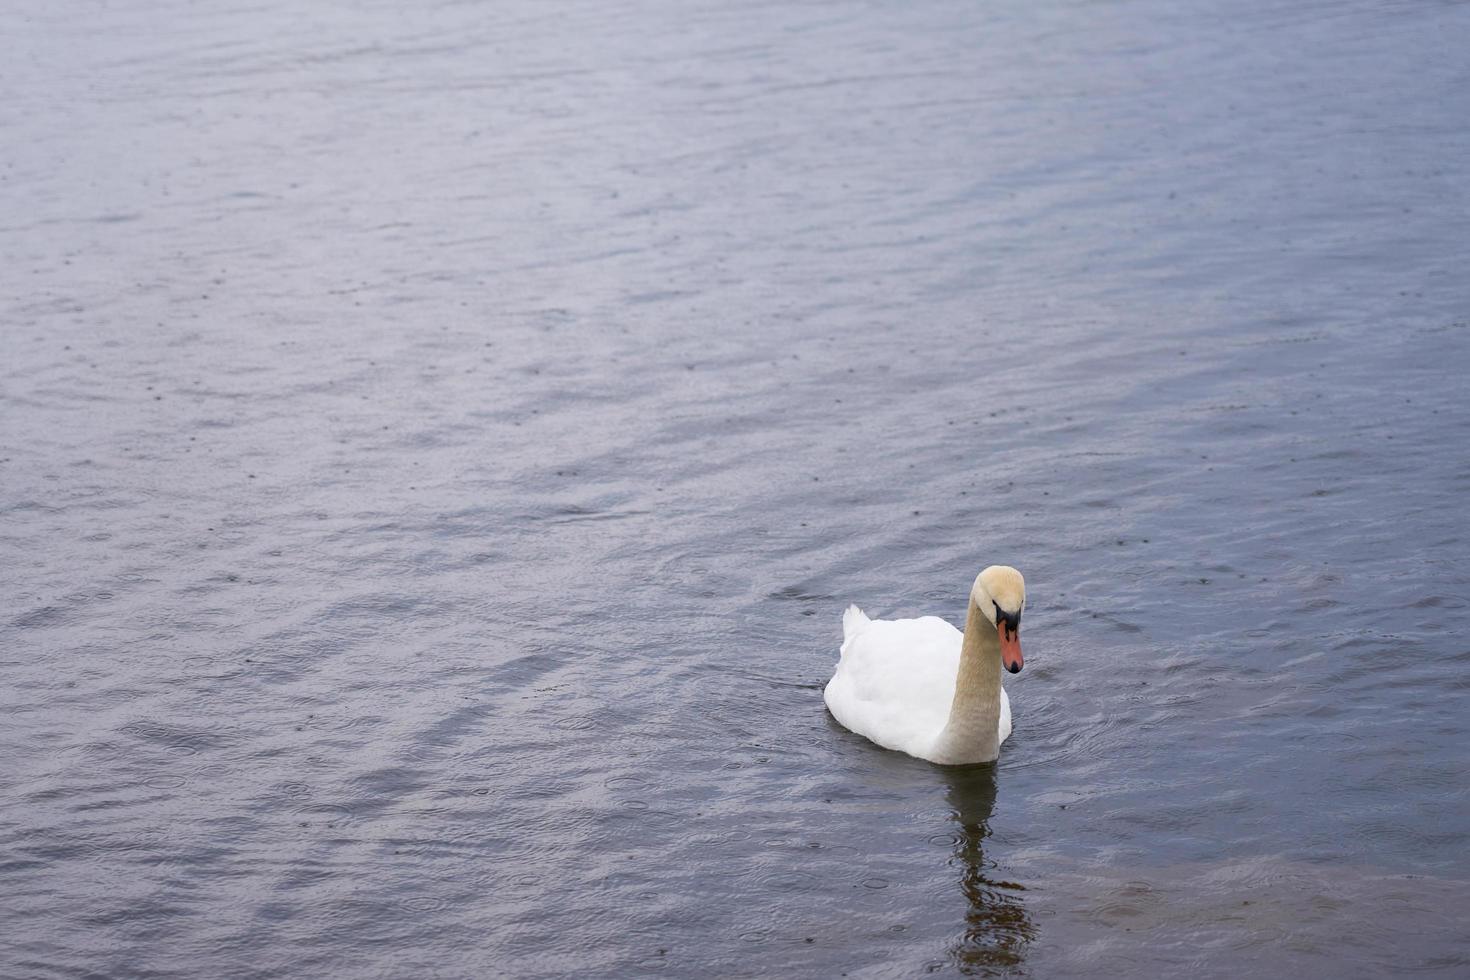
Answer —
854 621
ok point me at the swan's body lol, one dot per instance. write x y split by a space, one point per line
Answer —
922 687
896 681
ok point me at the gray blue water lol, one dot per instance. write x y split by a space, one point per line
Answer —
437 443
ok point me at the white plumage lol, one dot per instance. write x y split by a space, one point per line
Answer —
896 681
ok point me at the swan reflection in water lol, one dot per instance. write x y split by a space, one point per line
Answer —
997 927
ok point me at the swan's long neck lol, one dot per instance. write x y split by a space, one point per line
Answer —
973 731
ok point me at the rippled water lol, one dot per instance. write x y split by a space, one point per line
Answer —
437 442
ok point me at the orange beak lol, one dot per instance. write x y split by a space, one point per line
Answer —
1010 646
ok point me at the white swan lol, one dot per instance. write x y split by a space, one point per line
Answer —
922 687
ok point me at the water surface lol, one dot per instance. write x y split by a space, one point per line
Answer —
437 443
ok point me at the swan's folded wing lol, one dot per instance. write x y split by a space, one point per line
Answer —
896 680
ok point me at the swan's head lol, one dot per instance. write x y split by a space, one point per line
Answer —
1000 595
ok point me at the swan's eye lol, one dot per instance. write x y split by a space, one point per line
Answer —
1012 621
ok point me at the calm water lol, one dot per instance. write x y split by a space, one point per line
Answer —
437 442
